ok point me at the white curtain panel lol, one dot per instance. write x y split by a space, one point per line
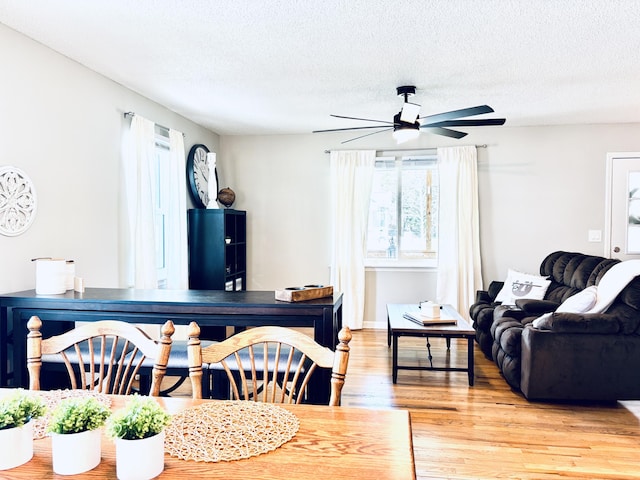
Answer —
139 175
351 179
459 267
177 256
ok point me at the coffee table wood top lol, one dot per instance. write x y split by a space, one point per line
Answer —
397 322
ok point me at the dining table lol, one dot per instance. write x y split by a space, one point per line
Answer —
330 443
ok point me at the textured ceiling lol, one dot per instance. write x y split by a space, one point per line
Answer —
276 66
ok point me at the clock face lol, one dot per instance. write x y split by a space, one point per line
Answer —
201 174
198 175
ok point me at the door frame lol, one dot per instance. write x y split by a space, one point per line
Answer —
608 217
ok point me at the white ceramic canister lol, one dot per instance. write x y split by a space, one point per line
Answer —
50 276
70 274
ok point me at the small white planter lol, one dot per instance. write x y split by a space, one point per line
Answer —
76 452
141 459
17 446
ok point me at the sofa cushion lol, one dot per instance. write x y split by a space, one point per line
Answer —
522 285
531 306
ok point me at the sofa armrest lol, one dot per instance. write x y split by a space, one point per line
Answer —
494 289
567 366
482 296
536 307
578 323
489 295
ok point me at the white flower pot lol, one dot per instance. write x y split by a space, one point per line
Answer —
17 446
141 459
76 452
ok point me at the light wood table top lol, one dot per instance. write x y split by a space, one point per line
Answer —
331 443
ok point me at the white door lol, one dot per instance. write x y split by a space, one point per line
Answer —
622 214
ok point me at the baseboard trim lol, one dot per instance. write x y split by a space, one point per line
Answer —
375 325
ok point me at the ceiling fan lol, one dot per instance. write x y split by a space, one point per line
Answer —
407 123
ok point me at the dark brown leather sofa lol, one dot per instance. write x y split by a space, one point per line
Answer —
567 356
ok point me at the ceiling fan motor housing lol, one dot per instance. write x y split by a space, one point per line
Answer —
406 91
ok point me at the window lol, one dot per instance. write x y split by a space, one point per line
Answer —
160 201
403 213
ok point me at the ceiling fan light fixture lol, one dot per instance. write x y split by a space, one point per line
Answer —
405 133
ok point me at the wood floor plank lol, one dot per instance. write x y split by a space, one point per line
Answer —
488 430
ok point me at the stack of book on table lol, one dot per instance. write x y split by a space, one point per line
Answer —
429 314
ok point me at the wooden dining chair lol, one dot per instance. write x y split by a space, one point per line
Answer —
104 356
269 364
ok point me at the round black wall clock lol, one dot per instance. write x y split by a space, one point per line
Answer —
198 175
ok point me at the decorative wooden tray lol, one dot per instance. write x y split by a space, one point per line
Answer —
300 294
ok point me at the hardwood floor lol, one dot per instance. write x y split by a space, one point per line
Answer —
489 431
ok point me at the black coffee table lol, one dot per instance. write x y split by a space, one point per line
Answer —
398 326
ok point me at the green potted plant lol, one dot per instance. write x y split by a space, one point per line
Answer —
75 428
138 433
16 429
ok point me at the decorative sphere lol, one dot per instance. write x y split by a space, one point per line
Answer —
226 197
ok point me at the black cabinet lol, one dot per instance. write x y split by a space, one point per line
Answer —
217 249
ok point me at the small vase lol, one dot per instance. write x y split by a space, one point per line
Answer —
76 452
17 446
140 459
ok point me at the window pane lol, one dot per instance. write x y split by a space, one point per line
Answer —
161 196
382 234
419 205
160 241
403 212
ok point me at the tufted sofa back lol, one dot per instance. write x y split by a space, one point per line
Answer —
571 272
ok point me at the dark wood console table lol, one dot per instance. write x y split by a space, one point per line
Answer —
212 308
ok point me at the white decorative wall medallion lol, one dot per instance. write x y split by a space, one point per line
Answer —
17 201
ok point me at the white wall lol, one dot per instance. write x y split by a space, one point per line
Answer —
541 190
62 124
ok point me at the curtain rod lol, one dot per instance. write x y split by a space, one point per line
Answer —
484 145
133 114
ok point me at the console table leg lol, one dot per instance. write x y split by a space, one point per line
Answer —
429 352
394 368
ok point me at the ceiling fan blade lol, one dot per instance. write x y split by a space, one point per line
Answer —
446 132
363 119
465 112
467 123
410 112
350 128
368 134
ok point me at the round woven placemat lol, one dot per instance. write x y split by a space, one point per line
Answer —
53 397
229 430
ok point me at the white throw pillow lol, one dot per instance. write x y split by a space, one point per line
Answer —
522 285
580 302
613 282
538 322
